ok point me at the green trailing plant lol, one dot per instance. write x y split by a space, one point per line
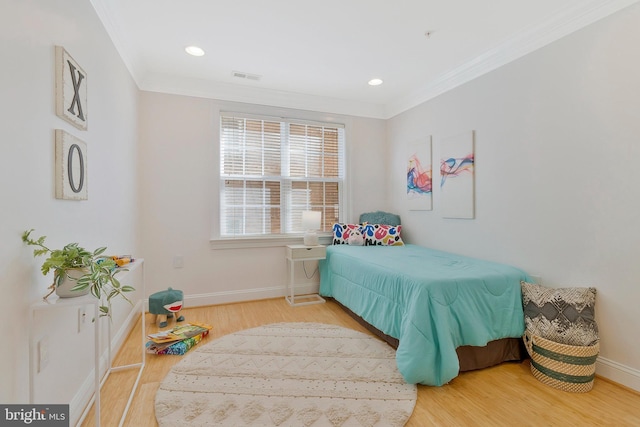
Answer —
100 276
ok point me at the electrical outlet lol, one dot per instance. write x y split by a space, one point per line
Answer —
43 353
82 318
178 261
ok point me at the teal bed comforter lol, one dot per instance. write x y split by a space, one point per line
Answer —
431 301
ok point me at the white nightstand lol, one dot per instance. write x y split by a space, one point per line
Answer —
301 253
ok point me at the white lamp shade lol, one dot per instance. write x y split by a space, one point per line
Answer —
311 223
311 220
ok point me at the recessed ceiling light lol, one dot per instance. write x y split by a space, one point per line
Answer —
375 82
194 50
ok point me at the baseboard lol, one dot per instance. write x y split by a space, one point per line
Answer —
127 326
81 399
613 371
618 373
226 297
78 405
605 368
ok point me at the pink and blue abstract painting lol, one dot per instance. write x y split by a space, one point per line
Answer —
457 180
420 176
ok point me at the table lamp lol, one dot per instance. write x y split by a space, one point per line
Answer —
310 224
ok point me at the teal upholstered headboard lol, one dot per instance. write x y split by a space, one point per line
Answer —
380 217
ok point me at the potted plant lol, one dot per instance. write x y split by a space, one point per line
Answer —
80 271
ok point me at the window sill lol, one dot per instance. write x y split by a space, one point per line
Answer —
263 242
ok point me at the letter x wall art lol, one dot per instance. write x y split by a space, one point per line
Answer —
71 106
71 90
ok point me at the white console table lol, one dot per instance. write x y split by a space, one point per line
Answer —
302 253
55 302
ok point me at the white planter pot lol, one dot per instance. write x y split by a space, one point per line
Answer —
69 282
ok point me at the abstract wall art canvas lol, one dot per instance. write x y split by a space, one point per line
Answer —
70 167
419 176
457 176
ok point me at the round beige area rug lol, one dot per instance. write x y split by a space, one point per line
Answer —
287 374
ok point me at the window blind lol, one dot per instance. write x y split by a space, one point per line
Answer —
273 169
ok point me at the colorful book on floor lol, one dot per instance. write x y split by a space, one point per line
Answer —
175 347
179 333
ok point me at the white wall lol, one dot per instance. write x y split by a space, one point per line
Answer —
179 195
556 136
557 177
29 30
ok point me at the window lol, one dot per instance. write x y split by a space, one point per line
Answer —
273 169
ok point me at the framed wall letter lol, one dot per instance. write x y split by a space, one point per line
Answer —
457 176
71 90
71 167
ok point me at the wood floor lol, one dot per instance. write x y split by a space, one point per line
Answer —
505 395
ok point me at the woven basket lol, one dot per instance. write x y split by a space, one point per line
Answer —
565 367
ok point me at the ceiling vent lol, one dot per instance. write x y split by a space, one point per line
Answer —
247 76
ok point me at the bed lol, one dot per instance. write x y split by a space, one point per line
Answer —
437 306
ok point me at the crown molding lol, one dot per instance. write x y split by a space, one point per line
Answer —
251 94
520 44
109 21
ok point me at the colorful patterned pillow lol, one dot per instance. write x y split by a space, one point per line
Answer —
342 233
382 235
563 315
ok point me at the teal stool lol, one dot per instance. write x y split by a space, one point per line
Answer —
166 304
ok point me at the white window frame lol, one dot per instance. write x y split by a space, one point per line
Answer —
274 240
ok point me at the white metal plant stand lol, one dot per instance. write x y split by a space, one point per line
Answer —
56 302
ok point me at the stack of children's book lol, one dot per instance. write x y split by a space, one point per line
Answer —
178 340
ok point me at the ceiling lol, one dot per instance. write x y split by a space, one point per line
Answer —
320 55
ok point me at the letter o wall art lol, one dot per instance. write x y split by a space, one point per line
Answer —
70 167
71 106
